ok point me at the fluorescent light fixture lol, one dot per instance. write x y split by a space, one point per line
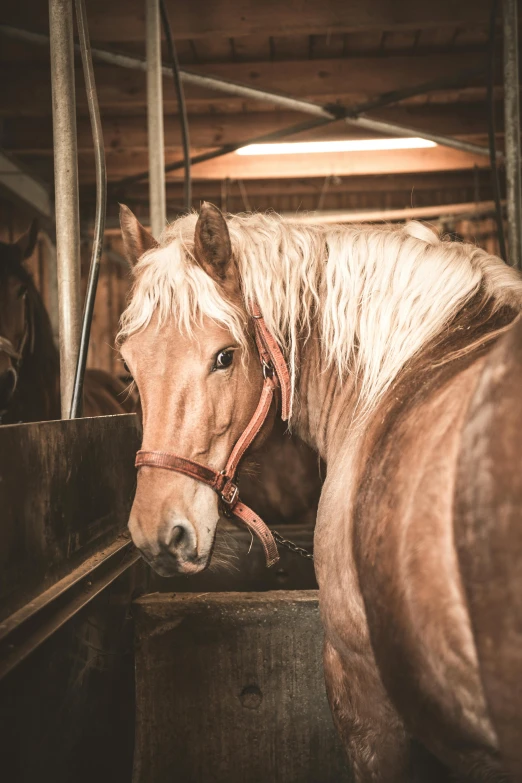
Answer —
345 145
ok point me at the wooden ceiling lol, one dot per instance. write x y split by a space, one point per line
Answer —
327 51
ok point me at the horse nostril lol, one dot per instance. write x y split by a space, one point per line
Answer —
181 541
7 385
177 536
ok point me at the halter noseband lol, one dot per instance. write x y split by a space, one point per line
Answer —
275 372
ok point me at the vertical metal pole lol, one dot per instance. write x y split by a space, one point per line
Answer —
512 133
66 193
158 210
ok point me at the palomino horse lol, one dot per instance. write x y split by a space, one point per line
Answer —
29 360
386 333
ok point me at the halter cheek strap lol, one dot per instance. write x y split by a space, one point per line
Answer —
276 376
7 347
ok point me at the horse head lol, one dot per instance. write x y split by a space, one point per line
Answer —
187 340
15 323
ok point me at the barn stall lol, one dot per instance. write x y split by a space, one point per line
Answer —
108 670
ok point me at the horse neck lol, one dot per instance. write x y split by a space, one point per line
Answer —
378 303
324 401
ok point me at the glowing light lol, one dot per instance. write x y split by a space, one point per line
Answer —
345 145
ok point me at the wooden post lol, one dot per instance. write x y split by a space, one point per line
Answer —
230 688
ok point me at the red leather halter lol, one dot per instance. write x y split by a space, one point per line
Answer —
276 375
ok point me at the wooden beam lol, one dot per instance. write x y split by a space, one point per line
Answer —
33 136
346 80
413 213
351 193
355 184
123 20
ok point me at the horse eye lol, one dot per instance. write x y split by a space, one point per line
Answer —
126 367
22 291
223 360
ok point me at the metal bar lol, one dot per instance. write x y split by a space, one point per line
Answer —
492 141
157 194
101 205
512 133
182 106
287 102
446 82
66 192
29 627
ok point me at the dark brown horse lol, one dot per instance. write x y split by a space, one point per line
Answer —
29 359
405 361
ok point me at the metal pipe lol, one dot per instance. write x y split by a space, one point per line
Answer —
101 206
444 82
182 106
293 104
66 192
157 194
512 133
492 138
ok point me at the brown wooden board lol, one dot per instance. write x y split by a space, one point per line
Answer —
325 81
230 689
66 695
65 491
67 711
124 20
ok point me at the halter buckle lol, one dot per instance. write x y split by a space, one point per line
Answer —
229 494
268 370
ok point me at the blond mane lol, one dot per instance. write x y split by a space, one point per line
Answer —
373 295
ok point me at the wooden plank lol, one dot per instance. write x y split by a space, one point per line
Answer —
30 135
65 490
230 688
346 79
123 20
441 181
391 191
325 217
67 711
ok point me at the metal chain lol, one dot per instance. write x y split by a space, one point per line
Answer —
291 546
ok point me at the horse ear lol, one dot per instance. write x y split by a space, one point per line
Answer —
27 241
136 238
213 249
